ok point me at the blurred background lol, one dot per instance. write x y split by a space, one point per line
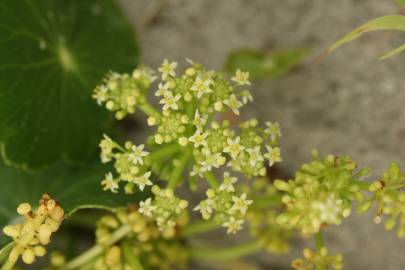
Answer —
347 103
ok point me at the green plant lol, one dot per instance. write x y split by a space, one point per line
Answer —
193 147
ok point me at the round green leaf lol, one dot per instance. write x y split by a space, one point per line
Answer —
52 54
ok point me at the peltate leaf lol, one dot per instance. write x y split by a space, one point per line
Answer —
52 54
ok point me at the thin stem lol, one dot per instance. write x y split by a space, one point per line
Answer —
211 179
177 172
266 202
165 151
199 227
130 257
97 249
229 253
148 109
8 265
320 243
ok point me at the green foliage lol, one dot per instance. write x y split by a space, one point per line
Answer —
264 65
74 189
52 54
392 22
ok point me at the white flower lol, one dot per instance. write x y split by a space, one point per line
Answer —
138 154
211 160
170 101
201 86
233 103
143 180
196 171
273 155
162 89
233 225
329 210
234 147
146 208
199 138
273 129
240 203
101 94
255 156
246 96
241 78
167 69
205 208
227 184
109 183
199 121
106 146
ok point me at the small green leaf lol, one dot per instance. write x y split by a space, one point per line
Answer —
74 189
392 22
53 53
264 65
393 52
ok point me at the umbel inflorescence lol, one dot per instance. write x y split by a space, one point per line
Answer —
190 141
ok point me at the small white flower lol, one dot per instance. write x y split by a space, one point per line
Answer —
198 138
273 129
255 156
227 184
167 69
196 171
201 86
273 155
146 208
101 94
233 103
205 208
143 181
241 78
233 225
246 97
233 148
162 89
138 154
169 101
109 183
211 160
199 121
241 203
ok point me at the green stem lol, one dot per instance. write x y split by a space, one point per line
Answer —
199 227
230 253
177 172
211 179
148 109
363 185
8 265
320 243
130 257
97 249
266 202
165 151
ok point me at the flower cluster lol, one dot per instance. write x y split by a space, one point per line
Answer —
189 136
31 236
321 193
228 207
131 163
156 249
262 218
123 93
165 208
318 260
389 195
